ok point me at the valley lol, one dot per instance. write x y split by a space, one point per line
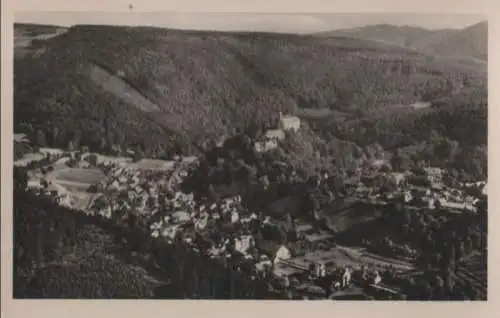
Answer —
235 165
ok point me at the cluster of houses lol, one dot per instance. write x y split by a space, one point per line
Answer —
435 194
54 190
186 215
149 189
128 188
182 211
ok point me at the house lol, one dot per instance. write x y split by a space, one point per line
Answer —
202 222
378 278
281 254
235 217
301 228
264 146
32 184
361 189
21 138
115 186
408 196
170 231
346 277
378 164
138 189
431 203
398 177
319 236
434 175
181 216
452 205
244 243
190 159
289 122
84 164
52 188
106 212
263 264
275 134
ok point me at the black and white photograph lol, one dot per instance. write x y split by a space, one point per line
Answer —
250 156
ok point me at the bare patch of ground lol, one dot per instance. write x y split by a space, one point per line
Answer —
115 85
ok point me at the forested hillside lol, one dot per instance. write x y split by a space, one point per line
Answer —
62 253
469 42
159 92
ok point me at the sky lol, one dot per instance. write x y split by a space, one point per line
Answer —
293 23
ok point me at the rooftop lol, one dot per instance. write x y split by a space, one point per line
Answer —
275 133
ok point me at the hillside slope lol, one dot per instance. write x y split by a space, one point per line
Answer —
469 42
25 35
62 253
160 92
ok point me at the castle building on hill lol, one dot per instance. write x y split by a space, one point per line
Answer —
289 122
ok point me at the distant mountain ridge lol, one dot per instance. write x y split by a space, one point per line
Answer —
469 42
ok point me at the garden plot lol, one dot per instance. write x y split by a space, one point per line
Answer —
75 179
75 182
104 158
152 164
77 176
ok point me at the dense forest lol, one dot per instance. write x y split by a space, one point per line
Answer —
163 92
468 43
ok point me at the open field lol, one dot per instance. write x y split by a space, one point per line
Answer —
77 175
151 164
27 158
103 158
52 151
73 186
115 85
347 214
74 182
146 163
24 34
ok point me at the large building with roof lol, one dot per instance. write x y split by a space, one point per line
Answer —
289 122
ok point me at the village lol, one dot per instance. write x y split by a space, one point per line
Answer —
312 266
